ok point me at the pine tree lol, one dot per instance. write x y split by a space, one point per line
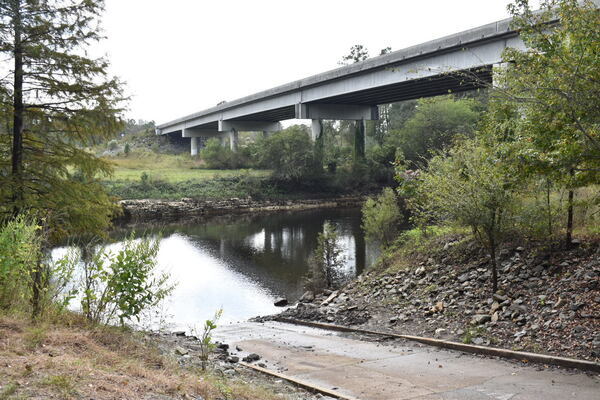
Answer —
55 100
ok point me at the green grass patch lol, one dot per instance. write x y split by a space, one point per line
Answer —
8 391
60 383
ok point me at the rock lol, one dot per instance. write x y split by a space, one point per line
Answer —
463 278
262 365
251 357
280 302
477 341
307 297
561 302
420 271
479 319
439 332
329 299
180 351
179 333
495 317
238 348
500 298
233 359
520 334
495 307
438 307
223 346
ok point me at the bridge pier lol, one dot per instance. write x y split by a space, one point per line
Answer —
317 136
233 140
194 146
359 140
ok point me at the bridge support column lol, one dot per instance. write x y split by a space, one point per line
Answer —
194 146
359 141
233 140
316 134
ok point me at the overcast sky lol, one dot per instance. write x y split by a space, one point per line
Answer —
181 56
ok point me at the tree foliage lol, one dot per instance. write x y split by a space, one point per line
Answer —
382 218
325 263
289 153
55 101
119 286
433 126
470 186
548 95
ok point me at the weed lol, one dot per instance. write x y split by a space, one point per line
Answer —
7 391
61 383
34 337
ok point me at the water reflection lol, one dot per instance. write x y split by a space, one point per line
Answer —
242 263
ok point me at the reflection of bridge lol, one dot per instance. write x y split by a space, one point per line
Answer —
354 91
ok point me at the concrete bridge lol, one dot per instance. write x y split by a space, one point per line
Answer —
455 63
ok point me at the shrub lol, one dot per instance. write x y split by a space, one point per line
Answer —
120 286
325 263
289 153
217 156
382 217
20 253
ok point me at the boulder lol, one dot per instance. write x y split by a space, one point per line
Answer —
479 319
281 302
307 297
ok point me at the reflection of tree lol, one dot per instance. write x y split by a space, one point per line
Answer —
287 240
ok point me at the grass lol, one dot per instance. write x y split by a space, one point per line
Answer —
171 168
83 361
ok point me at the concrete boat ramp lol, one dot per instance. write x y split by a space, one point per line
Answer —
396 370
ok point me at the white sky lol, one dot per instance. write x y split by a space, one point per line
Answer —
181 56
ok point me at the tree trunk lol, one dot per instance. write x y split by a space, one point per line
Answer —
494 266
549 207
17 142
569 236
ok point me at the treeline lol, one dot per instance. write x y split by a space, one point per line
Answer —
412 130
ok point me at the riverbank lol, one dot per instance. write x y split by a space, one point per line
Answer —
549 300
75 360
160 210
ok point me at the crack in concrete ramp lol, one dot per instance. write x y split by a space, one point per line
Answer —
398 370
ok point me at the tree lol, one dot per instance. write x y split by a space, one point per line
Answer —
357 53
55 101
470 186
433 126
326 261
289 153
555 85
382 217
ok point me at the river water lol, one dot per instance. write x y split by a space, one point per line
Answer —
242 263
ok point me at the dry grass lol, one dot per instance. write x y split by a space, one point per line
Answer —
76 361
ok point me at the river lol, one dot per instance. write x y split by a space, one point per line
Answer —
242 263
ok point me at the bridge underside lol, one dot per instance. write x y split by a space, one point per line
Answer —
408 90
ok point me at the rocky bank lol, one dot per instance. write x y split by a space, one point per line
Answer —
549 301
156 210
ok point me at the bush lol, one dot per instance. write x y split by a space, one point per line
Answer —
289 154
19 257
217 156
120 286
382 217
